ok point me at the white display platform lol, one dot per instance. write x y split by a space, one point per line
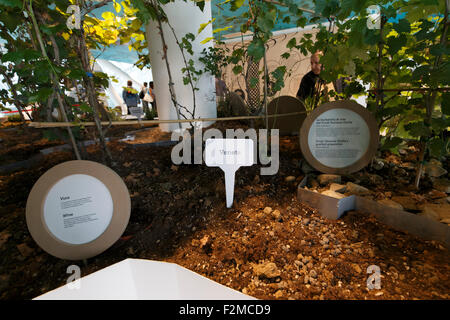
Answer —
146 280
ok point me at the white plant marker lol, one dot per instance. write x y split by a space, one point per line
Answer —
229 155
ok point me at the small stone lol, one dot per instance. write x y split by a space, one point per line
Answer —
379 294
314 184
305 221
357 268
375 179
356 189
333 194
442 185
313 274
391 204
278 294
436 211
306 279
378 164
156 171
436 194
267 210
245 291
446 221
408 203
434 169
235 235
289 179
4 236
276 214
338 187
325 179
267 269
24 250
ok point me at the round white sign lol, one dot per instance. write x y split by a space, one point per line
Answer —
78 209
338 138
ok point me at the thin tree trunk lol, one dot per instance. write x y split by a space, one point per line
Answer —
379 97
17 102
171 87
266 74
91 94
431 98
55 81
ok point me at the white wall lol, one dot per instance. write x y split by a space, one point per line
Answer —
184 18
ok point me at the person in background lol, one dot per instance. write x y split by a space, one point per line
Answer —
153 96
311 82
221 89
240 93
145 96
130 96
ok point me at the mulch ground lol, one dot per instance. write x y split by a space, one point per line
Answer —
268 245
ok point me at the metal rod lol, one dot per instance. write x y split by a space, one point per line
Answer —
121 123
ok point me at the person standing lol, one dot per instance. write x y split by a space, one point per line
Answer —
154 98
311 82
146 97
130 96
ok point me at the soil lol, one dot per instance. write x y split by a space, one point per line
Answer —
268 245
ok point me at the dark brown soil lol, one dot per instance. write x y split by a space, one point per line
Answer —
179 215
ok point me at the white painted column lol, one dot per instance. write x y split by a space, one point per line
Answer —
184 18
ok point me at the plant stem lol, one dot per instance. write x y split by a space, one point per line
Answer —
54 78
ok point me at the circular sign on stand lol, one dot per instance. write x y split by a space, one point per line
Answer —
78 209
339 137
286 104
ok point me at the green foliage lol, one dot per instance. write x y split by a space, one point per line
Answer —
14 118
410 52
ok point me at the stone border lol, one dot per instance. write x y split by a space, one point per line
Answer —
341 104
332 208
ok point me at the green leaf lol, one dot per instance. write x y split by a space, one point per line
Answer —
11 3
403 26
237 69
254 82
445 105
285 55
391 143
200 4
418 129
437 147
256 49
395 44
291 43
13 56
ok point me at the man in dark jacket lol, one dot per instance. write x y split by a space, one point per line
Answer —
311 81
130 96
